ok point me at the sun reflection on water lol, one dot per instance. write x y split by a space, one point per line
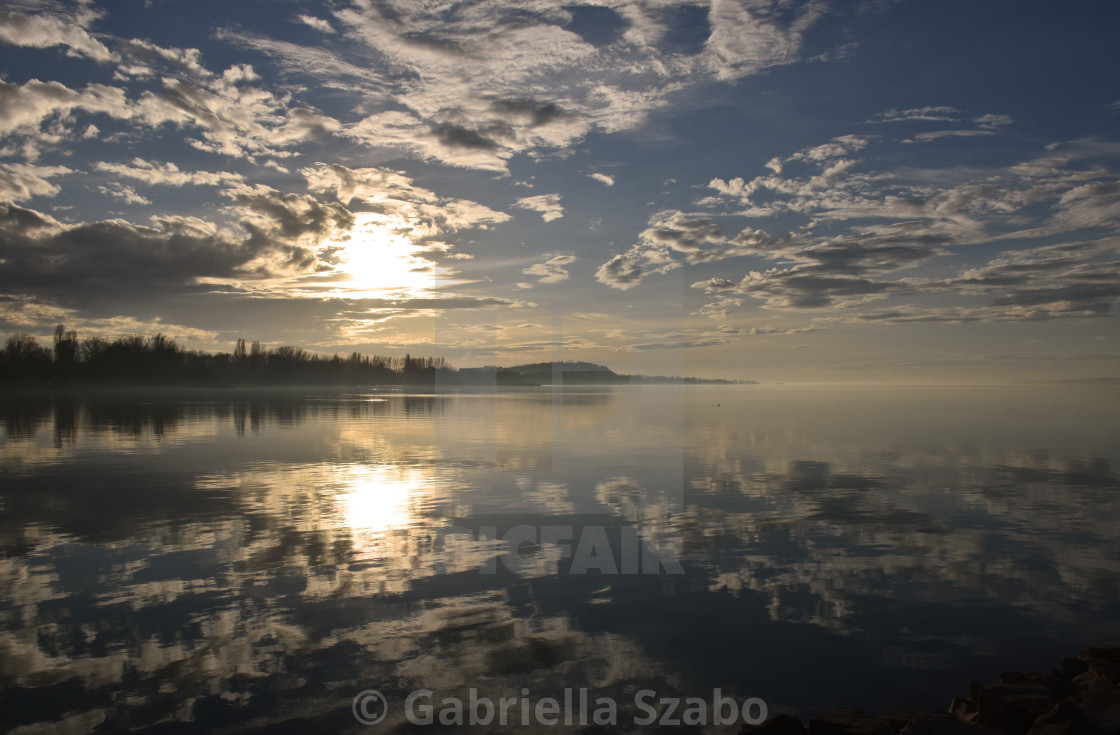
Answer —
380 498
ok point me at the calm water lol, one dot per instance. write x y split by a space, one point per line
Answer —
239 560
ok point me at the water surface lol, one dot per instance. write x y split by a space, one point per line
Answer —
231 560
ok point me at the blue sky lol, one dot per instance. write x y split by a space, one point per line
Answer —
768 189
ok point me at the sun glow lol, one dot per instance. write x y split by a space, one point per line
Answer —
379 256
380 498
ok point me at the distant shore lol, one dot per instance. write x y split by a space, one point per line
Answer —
159 361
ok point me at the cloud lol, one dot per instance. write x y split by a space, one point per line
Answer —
849 236
167 174
413 210
142 57
1068 280
803 288
500 78
112 258
285 230
746 37
993 120
45 31
673 233
20 181
602 179
551 270
714 338
547 204
626 270
126 194
233 118
317 23
938 135
918 114
230 116
26 106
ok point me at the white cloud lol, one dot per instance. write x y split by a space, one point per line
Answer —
993 121
317 23
45 31
419 212
26 106
919 114
551 270
167 174
938 135
863 235
142 55
126 194
234 118
531 86
547 204
604 179
745 37
19 181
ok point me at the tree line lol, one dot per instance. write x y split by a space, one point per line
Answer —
160 360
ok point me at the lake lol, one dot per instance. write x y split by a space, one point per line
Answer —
196 561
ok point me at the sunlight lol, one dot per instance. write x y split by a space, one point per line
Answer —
378 257
380 498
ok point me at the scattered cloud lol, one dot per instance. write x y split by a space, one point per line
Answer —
20 182
532 85
866 236
938 135
603 179
167 174
547 204
419 213
919 114
551 270
45 30
993 120
124 193
317 23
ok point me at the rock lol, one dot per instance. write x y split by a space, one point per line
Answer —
1060 712
776 725
946 725
960 706
1085 680
1099 654
1071 667
901 717
1055 728
1064 718
1102 661
1012 708
848 721
1100 707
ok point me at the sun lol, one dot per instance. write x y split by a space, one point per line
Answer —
380 257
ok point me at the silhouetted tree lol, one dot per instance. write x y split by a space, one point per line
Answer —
24 359
158 359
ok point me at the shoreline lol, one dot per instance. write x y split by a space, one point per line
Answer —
1081 697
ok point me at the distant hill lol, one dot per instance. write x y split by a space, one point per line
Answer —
568 373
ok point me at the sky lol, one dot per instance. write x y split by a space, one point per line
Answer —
777 190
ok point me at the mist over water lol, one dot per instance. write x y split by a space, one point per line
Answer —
229 559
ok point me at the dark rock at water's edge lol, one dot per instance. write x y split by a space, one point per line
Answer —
1080 698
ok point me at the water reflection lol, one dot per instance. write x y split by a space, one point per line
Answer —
240 560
